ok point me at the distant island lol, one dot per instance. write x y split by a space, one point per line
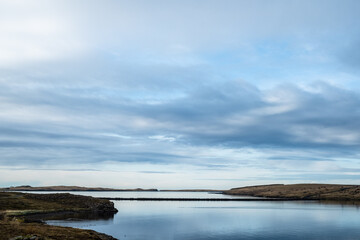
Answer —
73 188
334 192
192 190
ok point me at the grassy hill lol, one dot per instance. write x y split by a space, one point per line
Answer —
301 191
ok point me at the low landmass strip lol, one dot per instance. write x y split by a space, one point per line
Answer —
333 192
73 188
22 215
192 190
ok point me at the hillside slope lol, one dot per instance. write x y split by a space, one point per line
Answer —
301 191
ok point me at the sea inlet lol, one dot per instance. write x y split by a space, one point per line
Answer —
226 220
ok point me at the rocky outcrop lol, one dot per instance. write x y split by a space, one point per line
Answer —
22 215
28 237
68 200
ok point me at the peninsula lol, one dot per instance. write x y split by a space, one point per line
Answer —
22 215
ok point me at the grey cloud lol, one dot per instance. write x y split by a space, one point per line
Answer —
151 73
211 114
297 177
157 172
349 55
231 115
299 158
321 177
52 169
215 117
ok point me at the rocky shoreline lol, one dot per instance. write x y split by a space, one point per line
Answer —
23 216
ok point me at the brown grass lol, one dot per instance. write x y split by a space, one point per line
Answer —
52 202
302 191
12 229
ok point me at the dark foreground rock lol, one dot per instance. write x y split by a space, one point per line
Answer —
75 201
16 230
22 215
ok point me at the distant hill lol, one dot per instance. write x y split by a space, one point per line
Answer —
192 190
301 191
335 192
69 188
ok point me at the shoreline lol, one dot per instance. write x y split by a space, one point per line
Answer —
23 215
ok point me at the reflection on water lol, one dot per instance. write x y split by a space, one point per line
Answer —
81 220
79 216
227 221
69 218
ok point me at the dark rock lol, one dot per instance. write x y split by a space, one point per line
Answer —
17 238
76 201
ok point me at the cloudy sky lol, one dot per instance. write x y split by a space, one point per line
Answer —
179 94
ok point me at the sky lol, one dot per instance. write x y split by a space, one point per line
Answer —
179 94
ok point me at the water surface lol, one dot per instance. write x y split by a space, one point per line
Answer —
144 194
138 220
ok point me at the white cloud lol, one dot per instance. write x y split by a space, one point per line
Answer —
115 135
163 138
325 135
47 30
30 33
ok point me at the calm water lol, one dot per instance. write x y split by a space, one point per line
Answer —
148 194
225 220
